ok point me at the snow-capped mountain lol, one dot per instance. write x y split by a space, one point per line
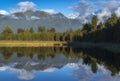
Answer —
38 18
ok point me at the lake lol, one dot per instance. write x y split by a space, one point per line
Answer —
58 64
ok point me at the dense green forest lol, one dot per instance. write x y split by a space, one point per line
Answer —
109 31
42 34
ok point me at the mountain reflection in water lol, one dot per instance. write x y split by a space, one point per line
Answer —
58 64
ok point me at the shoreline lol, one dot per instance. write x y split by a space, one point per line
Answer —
32 43
112 47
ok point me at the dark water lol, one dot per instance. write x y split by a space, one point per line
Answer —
58 64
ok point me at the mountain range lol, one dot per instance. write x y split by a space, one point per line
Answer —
34 19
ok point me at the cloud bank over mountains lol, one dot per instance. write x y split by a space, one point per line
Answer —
26 15
103 9
83 10
25 6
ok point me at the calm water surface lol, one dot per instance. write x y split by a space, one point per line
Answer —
58 64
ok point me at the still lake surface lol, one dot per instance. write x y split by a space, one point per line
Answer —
58 64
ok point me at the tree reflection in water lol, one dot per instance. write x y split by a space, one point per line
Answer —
87 62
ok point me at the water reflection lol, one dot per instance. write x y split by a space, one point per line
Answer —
59 64
84 73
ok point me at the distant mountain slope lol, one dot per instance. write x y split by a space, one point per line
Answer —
38 18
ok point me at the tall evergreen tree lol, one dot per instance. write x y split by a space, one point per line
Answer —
94 22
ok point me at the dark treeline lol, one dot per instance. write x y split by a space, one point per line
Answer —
109 31
91 57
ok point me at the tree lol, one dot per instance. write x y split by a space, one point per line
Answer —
94 22
41 29
100 26
110 22
51 30
87 27
7 30
20 30
31 30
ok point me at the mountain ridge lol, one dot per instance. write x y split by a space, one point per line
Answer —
37 18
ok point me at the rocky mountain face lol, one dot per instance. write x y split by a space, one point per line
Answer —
38 18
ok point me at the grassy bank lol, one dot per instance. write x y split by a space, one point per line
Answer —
108 46
31 43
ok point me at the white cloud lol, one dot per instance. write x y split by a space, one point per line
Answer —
73 15
34 18
24 6
23 74
117 12
112 5
3 68
26 75
14 17
84 8
49 70
50 11
108 8
3 12
102 14
84 73
103 9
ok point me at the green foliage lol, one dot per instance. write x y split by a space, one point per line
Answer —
41 29
51 30
7 30
94 22
87 27
31 30
100 26
111 21
20 30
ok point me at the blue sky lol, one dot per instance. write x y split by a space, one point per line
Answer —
57 5
70 8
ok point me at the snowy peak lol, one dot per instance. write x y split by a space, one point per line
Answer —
35 15
39 18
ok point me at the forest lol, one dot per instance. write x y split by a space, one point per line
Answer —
41 34
108 31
